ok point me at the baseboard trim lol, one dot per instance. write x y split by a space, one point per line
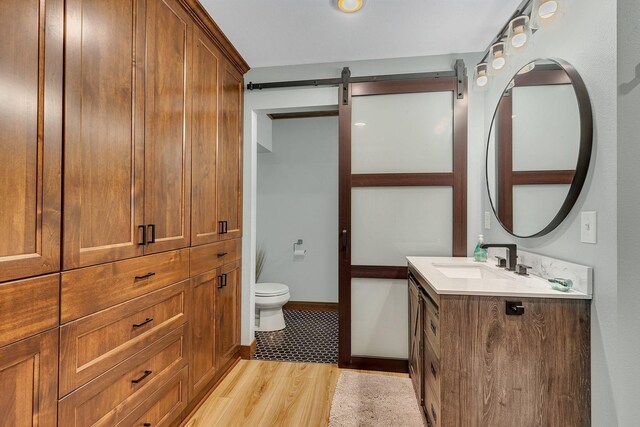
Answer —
378 364
247 351
311 306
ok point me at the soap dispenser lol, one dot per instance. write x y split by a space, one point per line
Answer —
480 254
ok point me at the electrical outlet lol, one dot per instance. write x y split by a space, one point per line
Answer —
487 220
588 227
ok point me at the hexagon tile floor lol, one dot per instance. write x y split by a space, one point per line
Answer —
310 336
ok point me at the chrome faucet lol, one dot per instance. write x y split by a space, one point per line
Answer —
512 253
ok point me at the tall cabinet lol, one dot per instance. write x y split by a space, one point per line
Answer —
120 210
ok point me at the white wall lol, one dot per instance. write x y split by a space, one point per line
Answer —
585 36
629 210
298 199
257 102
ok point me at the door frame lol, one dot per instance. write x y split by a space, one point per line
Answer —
457 179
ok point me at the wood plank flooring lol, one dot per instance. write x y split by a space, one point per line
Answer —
260 393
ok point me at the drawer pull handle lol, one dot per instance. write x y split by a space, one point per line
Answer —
433 371
147 320
433 413
433 327
145 276
146 425
222 254
145 375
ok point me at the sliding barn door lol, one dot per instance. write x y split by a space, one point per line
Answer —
402 193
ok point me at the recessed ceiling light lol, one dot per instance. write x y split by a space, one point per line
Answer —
350 6
360 124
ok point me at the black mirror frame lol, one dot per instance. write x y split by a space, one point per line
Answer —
584 155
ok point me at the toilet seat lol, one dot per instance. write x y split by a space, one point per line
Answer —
271 289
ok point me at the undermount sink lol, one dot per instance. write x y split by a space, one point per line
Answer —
458 271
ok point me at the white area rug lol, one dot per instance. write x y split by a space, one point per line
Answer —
370 400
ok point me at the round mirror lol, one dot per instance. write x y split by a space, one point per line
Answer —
539 148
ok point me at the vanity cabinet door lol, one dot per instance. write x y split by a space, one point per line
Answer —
227 314
167 146
229 187
30 136
415 338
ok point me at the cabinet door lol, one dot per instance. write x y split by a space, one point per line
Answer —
227 314
167 126
204 139
415 342
30 136
230 156
203 367
28 377
104 131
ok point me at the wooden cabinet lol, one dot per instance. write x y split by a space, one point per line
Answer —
415 337
167 148
104 131
230 156
205 91
482 366
228 314
30 136
28 381
215 338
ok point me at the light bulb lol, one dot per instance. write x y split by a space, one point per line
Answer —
482 81
519 40
498 63
548 9
350 6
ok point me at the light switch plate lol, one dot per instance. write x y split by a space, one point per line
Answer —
588 227
487 220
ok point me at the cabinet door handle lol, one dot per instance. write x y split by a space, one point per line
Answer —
141 230
141 324
224 280
222 254
145 375
152 227
433 371
220 227
433 327
226 227
145 276
219 282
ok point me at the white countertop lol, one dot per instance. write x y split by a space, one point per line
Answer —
508 284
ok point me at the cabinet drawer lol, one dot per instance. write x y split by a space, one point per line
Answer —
432 407
94 344
163 406
209 257
432 370
28 307
432 325
91 289
106 400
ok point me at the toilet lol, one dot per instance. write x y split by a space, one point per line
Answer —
270 297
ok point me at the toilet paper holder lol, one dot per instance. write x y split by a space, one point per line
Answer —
298 243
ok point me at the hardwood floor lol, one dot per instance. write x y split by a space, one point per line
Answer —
263 393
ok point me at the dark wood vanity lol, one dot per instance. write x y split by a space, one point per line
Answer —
472 364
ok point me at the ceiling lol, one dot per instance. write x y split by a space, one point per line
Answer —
288 32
